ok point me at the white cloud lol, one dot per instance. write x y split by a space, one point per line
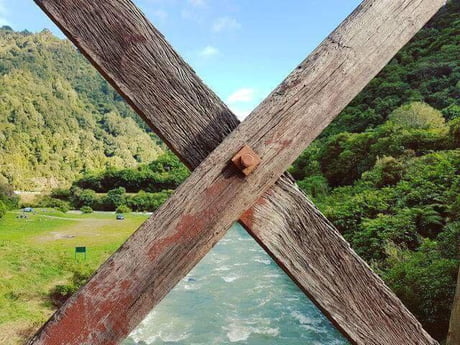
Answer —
209 51
238 102
242 95
225 24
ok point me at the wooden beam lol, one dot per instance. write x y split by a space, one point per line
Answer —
453 337
200 101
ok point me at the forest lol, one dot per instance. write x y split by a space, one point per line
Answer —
386 172
59 118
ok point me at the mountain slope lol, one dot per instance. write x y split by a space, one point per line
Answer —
386 172
59 118
426 70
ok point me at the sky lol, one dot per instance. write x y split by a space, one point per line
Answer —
242 49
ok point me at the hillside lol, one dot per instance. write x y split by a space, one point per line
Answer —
426 70
387 171
59 118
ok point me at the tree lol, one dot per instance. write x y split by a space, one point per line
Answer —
454 132
86 209
2 209
7 196
425 282
375 234
417 115
452 112
387 171
123 209
115 198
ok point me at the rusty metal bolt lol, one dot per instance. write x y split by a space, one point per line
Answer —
246 160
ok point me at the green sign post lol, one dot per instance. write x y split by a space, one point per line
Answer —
81 250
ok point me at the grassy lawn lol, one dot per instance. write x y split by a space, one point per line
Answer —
38 253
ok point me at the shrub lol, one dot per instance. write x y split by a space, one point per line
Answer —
314 186
82 197
114 198
2 209
372 239
166 172
425 282
452 112
143 201
60 193
122 209
454 132
7 196
417 115
386 172
449 241
60 293
47 201
86 209
64 208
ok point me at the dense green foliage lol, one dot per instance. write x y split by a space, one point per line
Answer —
165 172
58 117
61 292
143 188
425 70
387 171
8 200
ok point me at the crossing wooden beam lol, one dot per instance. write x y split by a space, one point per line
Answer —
453 336
136 59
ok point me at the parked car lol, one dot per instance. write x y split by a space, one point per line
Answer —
120 217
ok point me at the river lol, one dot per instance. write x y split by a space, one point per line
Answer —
236 295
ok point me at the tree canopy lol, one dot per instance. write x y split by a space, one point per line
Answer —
59 118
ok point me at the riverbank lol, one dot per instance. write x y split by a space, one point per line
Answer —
38 252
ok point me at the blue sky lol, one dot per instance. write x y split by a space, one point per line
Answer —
242 49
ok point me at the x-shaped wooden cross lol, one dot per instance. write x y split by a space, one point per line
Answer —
135 58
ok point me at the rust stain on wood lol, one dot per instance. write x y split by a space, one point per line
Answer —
248 217
186 229
215 189
280 143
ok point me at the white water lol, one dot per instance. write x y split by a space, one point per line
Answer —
236 295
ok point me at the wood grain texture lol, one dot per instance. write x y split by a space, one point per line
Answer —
453 337
137 67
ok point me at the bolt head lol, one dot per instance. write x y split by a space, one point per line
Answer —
247 160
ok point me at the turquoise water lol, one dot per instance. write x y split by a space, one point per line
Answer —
236 295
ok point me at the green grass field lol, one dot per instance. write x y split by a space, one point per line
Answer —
37 253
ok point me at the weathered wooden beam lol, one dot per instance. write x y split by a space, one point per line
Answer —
205 101
453 336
